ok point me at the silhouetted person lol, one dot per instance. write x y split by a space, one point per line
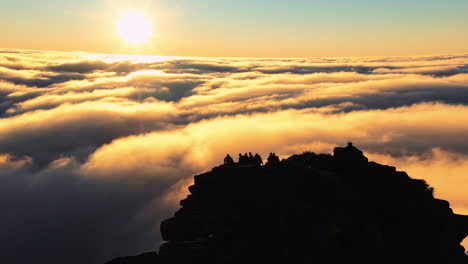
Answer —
228 160
243 158
273 159
258 160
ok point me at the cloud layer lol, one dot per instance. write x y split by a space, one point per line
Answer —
96 149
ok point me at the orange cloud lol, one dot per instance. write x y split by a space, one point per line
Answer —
138 128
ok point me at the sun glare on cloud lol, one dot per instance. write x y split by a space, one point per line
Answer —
134 27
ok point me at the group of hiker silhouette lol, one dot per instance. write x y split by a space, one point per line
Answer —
249 159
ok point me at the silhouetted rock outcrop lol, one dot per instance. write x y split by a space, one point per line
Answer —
311 208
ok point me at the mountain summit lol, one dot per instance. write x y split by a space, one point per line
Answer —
310 208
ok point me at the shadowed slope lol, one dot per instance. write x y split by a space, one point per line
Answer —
310 208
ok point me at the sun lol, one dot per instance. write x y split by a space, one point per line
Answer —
134 27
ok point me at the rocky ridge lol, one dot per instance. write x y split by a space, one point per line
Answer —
310 208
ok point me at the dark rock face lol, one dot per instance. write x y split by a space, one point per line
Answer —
311 208
151 257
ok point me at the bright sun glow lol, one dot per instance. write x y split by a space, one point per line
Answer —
134 27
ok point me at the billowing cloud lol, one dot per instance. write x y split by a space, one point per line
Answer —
96 149
56 216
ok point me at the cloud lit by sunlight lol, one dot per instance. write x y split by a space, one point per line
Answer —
111 141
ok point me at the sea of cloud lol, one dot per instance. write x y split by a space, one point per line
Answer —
95 149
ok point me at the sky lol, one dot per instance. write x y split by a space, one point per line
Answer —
96 150
101 134
242 28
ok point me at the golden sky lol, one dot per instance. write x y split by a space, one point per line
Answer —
240 28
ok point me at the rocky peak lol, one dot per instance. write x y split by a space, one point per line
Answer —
349 156
311 208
